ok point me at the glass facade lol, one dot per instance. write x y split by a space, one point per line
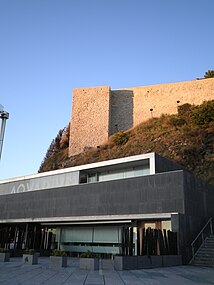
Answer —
115 174
91 238
125 173
110 239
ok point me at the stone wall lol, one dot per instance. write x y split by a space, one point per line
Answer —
165 98
98 112
121 117
90 118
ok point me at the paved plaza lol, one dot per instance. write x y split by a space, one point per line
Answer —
16 273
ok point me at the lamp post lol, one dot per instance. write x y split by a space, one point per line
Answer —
4 116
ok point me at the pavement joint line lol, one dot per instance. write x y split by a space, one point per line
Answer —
85 279
104 280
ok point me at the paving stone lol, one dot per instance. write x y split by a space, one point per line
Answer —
15 273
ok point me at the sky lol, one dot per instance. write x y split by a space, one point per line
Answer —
49 47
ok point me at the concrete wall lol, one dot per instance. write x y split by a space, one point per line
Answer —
163 164
199 201
98 112
90 118
40 183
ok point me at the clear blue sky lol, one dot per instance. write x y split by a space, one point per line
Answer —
49 47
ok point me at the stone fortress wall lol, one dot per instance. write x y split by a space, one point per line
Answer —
98 112
90 118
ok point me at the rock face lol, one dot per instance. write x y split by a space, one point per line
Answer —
98 112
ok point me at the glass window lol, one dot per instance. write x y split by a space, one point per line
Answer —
128 173
106 234
150 225
111 175
141 170
83 178
92 177
116 174
166 225
77 234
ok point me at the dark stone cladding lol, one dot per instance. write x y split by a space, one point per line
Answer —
159 193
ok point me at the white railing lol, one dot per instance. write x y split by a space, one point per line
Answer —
201 237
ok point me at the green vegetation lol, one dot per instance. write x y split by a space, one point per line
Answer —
30 251
120 138
209 74
186 137
3 250
57 151
203 115
88 254
57 252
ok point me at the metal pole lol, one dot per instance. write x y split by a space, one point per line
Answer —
4 116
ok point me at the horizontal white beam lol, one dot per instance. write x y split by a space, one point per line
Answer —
158 216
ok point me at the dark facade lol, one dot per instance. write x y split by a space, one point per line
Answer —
159 193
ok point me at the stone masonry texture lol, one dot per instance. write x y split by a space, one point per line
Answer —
98 112
90 118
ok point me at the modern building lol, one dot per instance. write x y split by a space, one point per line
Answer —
103 206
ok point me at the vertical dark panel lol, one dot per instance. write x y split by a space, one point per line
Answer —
144 242
123 240
131 241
